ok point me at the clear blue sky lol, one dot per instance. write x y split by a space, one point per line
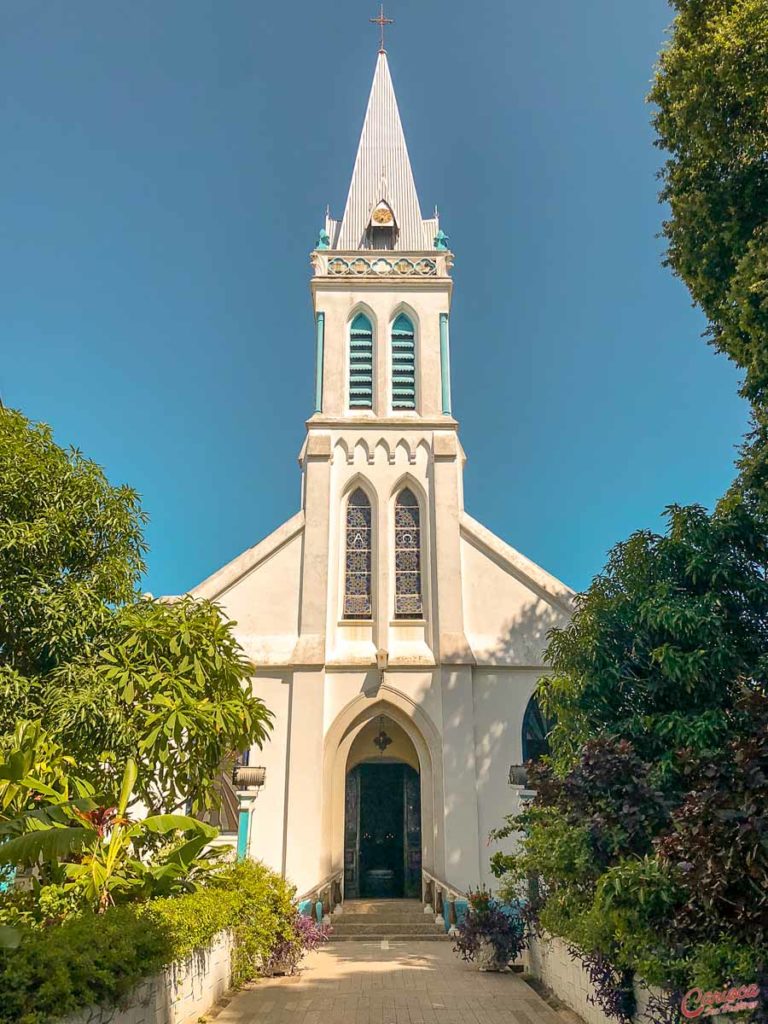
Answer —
165 171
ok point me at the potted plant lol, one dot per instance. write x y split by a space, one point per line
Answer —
490 934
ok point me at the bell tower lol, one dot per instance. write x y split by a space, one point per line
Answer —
382 464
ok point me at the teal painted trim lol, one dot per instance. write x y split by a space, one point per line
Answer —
445 364
243 821
462 909
320 326
447 913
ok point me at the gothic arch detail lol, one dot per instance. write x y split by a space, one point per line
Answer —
362 445
425 737
383 445
403 445
342 446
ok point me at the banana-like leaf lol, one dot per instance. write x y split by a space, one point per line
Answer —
49 844
186 854
162 823
30 782
129 781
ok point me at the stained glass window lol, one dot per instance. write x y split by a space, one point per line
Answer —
403 364
408 603
357 581
361 363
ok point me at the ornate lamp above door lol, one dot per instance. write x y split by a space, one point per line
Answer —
381 739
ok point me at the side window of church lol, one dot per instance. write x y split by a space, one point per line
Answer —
536 729
408 604
357 577
361 363
403 364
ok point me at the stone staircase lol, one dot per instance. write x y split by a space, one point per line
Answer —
374 920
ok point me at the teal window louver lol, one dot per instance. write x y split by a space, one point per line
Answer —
403 364
361 363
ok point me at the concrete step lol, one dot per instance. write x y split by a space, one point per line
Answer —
374 920
384 917
373 936
351 928
377 906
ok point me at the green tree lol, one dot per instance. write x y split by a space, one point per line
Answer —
665 639
112 674
711 95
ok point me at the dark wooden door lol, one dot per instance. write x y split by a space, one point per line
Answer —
382 831
352 835
412 830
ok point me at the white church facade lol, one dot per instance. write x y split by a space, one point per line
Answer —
396 640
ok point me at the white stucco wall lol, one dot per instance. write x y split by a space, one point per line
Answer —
506 616
500 697
269 817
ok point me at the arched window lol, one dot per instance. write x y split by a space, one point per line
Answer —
536 729
361 363
408 604
403 364
357 573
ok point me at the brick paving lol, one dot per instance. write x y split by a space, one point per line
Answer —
403 983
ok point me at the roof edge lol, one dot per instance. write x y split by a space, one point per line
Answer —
558 591
220 581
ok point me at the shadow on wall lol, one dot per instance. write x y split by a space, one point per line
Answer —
524 636
482 735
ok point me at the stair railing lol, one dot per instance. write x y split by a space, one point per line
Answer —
440 898
323 899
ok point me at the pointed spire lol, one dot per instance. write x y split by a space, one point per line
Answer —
383 174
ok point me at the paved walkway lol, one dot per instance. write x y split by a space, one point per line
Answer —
407 983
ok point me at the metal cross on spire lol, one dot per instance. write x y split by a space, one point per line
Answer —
381 21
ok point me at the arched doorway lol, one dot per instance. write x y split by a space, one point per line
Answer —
382 814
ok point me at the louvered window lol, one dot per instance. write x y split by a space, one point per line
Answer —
361 363
403 364
357 578
408 604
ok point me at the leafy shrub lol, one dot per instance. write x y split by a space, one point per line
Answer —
487 920
287 954
719 845
94 959
612 989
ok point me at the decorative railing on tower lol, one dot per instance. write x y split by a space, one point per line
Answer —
330 263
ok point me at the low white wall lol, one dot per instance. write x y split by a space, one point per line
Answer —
179 994
549 961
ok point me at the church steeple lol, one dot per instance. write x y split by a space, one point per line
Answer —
382 210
